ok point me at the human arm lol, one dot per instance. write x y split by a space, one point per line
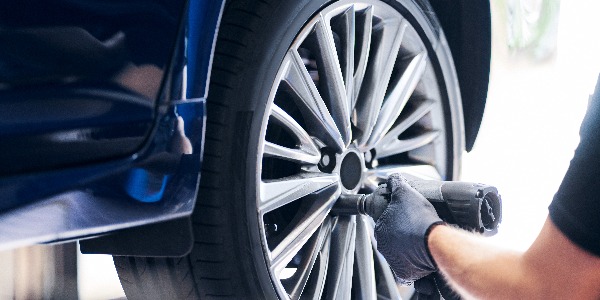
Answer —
563 262
552 268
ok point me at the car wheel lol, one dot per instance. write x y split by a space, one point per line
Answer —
309 100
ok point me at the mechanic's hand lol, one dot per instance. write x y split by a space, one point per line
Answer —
402 228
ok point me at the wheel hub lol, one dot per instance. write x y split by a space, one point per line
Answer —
351 170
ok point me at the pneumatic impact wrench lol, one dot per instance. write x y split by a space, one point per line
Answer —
471 206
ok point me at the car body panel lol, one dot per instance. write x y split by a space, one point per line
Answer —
54 127
95 199
153 180
80 79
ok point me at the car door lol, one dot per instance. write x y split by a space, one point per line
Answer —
79 80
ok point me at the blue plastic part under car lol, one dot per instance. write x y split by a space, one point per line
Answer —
146 186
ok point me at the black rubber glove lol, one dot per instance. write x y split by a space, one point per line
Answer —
402 229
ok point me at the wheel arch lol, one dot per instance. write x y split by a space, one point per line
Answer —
467 26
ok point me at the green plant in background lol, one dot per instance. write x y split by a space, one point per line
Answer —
533 26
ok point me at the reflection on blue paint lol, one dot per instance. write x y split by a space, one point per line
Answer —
145 186
202 18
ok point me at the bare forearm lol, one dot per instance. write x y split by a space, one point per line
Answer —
552 268
476 269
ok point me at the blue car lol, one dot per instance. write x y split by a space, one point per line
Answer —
202 143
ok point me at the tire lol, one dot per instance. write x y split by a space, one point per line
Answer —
274 154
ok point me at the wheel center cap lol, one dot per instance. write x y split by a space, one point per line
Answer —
351 170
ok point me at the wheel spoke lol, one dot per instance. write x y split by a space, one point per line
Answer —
397 99
386 286
300 278
300 82
407 121
385 283
397 146
301 231
348 32
304 140
378 175
385 44
364 259
277 193
364 20
318 275
296 155
333 80
341 260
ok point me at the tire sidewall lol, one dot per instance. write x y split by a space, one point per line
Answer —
265 58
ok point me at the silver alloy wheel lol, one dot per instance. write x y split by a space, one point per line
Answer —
356 99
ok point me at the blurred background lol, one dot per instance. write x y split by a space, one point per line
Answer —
545 62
